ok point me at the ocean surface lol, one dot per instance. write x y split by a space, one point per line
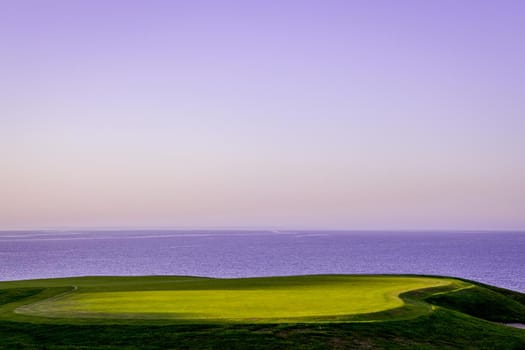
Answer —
496 258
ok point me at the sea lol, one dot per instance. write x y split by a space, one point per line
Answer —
496 258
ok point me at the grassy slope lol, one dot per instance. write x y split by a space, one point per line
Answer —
444 328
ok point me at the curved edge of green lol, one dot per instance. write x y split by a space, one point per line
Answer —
36 291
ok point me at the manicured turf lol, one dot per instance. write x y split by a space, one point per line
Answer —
301 298
303 312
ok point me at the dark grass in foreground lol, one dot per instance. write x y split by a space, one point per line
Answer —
465 319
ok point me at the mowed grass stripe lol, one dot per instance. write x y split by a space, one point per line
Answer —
270 299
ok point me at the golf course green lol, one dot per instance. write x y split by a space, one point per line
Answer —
303 298
103 312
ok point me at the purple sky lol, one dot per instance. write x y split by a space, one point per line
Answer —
285 114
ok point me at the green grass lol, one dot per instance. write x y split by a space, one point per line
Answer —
301 299
301 312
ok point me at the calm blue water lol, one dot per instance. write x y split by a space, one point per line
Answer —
494 258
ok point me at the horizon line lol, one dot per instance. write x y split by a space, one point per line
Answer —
253 228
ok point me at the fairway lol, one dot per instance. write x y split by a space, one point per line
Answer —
253 299
293 312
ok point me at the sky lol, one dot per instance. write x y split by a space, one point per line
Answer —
262 114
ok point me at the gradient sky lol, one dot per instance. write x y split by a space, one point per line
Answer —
283 114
